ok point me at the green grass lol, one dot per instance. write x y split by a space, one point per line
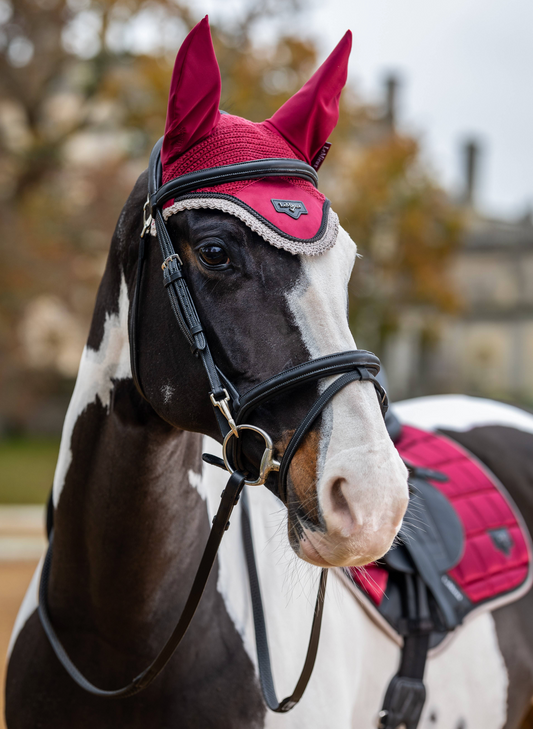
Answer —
26 469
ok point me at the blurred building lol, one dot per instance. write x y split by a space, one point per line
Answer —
487 347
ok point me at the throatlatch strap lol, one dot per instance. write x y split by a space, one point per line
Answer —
229 498
261 640
134 320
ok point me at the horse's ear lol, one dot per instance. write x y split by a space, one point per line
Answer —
307 119
194 96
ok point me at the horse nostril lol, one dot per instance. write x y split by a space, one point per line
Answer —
339 505
338 500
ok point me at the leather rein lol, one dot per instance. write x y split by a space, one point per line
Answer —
231 411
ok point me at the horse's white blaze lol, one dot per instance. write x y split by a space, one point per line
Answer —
356 456
461 413
319 301
96 376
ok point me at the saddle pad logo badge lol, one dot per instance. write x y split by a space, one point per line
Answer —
502 540
293 208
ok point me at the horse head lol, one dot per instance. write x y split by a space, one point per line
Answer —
271 293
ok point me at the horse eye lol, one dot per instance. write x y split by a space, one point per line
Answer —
213 255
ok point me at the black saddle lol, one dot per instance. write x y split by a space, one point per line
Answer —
430 543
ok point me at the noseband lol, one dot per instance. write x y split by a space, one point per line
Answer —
231 410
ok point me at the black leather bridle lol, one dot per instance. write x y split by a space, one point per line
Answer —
231 411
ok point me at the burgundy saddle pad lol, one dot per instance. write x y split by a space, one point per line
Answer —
495 564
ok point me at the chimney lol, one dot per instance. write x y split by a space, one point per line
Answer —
392 84
471 152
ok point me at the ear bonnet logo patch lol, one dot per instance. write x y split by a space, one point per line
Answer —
293 208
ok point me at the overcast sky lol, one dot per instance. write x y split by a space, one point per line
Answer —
467 70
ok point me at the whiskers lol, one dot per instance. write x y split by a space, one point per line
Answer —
412 522
366 578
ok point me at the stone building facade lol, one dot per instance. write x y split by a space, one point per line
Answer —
486 348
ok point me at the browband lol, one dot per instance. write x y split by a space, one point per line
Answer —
253 170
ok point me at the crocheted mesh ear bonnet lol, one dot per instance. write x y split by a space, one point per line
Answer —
288 213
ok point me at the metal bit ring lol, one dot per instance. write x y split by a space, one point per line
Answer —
268 462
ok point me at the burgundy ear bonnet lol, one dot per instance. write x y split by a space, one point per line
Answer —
288 212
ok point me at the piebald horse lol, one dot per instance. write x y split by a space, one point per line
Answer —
133 503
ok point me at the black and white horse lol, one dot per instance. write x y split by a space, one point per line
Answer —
133 503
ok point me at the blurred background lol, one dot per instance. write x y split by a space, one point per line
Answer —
430 172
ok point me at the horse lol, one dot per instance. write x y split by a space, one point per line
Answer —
133 499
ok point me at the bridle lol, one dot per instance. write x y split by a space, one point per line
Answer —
231 410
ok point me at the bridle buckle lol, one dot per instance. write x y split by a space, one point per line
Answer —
168 259
147 217
223 406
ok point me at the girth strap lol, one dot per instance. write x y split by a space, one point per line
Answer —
406 692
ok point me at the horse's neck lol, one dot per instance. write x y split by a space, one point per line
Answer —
128 523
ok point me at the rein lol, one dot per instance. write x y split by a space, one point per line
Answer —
231 411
